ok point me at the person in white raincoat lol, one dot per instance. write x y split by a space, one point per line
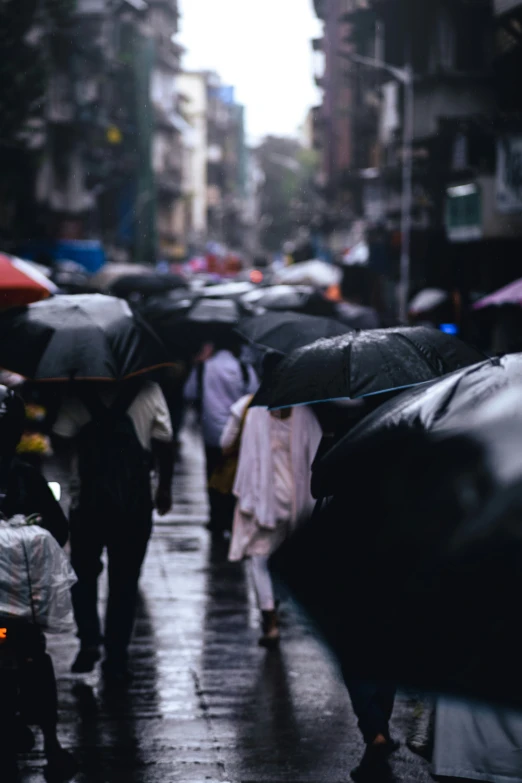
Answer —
272 487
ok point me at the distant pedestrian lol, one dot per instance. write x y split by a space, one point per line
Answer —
115 433
215 385
272 487
356 292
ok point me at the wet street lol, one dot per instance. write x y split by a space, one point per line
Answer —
206 703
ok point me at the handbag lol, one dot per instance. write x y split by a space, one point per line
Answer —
224 475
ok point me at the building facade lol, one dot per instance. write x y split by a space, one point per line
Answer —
464 55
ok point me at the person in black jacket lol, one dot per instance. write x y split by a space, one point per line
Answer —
23 490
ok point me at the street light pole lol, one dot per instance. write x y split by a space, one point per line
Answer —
407 191
405 76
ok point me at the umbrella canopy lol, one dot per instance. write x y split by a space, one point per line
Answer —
446 404
109 273
369 362
215 311
145 284
22 283
228 290
510 294
286 332
427 299
185 321
280 297
432 553
316 273
84 337
166 316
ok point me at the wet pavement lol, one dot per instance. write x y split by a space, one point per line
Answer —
207 704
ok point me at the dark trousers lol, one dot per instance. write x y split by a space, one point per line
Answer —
126 543
221 506
38 693
32 691
373 706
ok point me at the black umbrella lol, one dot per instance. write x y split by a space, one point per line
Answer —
286 332
166 316
83 337
229 290
300 299
443 405
280 297
368 362
185 322
145 284
215 312
417 556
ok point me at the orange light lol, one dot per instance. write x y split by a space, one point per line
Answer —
333 294
256 276
3 635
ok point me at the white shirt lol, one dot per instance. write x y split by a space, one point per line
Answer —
148 412
280 439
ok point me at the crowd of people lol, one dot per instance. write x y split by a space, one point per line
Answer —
259 465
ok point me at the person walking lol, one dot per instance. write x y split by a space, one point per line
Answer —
272 487
215 385
23 490
354 309
115 434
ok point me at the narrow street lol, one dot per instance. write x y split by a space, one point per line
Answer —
206 703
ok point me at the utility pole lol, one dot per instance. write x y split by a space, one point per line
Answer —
145 210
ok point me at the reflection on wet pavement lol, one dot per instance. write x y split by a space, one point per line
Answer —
206 703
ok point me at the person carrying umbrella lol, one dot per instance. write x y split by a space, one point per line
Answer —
113 420
114 432
272 487
352 310
216 384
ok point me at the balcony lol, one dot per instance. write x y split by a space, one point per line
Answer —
320 8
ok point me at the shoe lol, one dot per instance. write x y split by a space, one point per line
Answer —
24 736
420 739
374 764
61 765
86 659
271 635
116 673
384 750
372 772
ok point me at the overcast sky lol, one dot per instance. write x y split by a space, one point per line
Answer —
262 47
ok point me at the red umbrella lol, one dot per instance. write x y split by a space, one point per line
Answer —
21 283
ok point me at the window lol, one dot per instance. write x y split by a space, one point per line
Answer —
464 213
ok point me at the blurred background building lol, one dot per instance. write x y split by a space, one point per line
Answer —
467 134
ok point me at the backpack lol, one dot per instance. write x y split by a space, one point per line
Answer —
114 467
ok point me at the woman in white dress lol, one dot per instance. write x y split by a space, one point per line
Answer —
272 487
